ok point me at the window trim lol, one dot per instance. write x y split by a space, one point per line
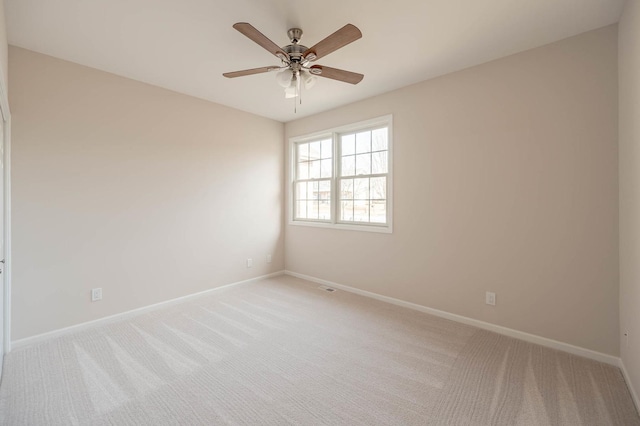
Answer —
333 133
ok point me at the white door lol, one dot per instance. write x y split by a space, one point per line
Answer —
2 274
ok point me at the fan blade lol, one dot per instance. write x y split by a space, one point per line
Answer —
345 35
249 72
259 38
336 74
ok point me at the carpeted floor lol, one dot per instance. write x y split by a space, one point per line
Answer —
281 351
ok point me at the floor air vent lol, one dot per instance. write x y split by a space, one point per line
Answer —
325 288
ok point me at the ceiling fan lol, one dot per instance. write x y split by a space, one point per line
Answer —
296 58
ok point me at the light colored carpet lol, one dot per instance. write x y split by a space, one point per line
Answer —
281 351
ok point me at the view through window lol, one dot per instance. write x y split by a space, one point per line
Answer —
314 172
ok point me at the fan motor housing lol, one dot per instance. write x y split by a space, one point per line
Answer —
295 51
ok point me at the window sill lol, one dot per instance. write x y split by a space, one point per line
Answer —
382 229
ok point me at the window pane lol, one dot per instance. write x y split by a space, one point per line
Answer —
325 210
312 209
314 169
363 142
303 170
379 211
348 144
326 149
301 209
314 151
346 211
303 152
346 189
314 190
326 168
324 191
363 164
378 188
349 165
301 191
379 141
361 189
361 210
379 162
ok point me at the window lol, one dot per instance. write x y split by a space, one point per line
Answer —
341 178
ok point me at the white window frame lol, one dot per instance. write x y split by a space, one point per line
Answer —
333 134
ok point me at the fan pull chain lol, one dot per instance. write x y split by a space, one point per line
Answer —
298 96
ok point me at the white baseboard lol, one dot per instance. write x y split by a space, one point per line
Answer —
576 350
627 378
128 314
532 338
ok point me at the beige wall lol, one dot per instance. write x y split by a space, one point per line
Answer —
505 180
146 193
629 75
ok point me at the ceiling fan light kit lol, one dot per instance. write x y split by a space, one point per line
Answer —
296 70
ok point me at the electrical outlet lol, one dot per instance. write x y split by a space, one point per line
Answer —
268 258
96 294
490 298
249 263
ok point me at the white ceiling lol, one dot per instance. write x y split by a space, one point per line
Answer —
186 45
